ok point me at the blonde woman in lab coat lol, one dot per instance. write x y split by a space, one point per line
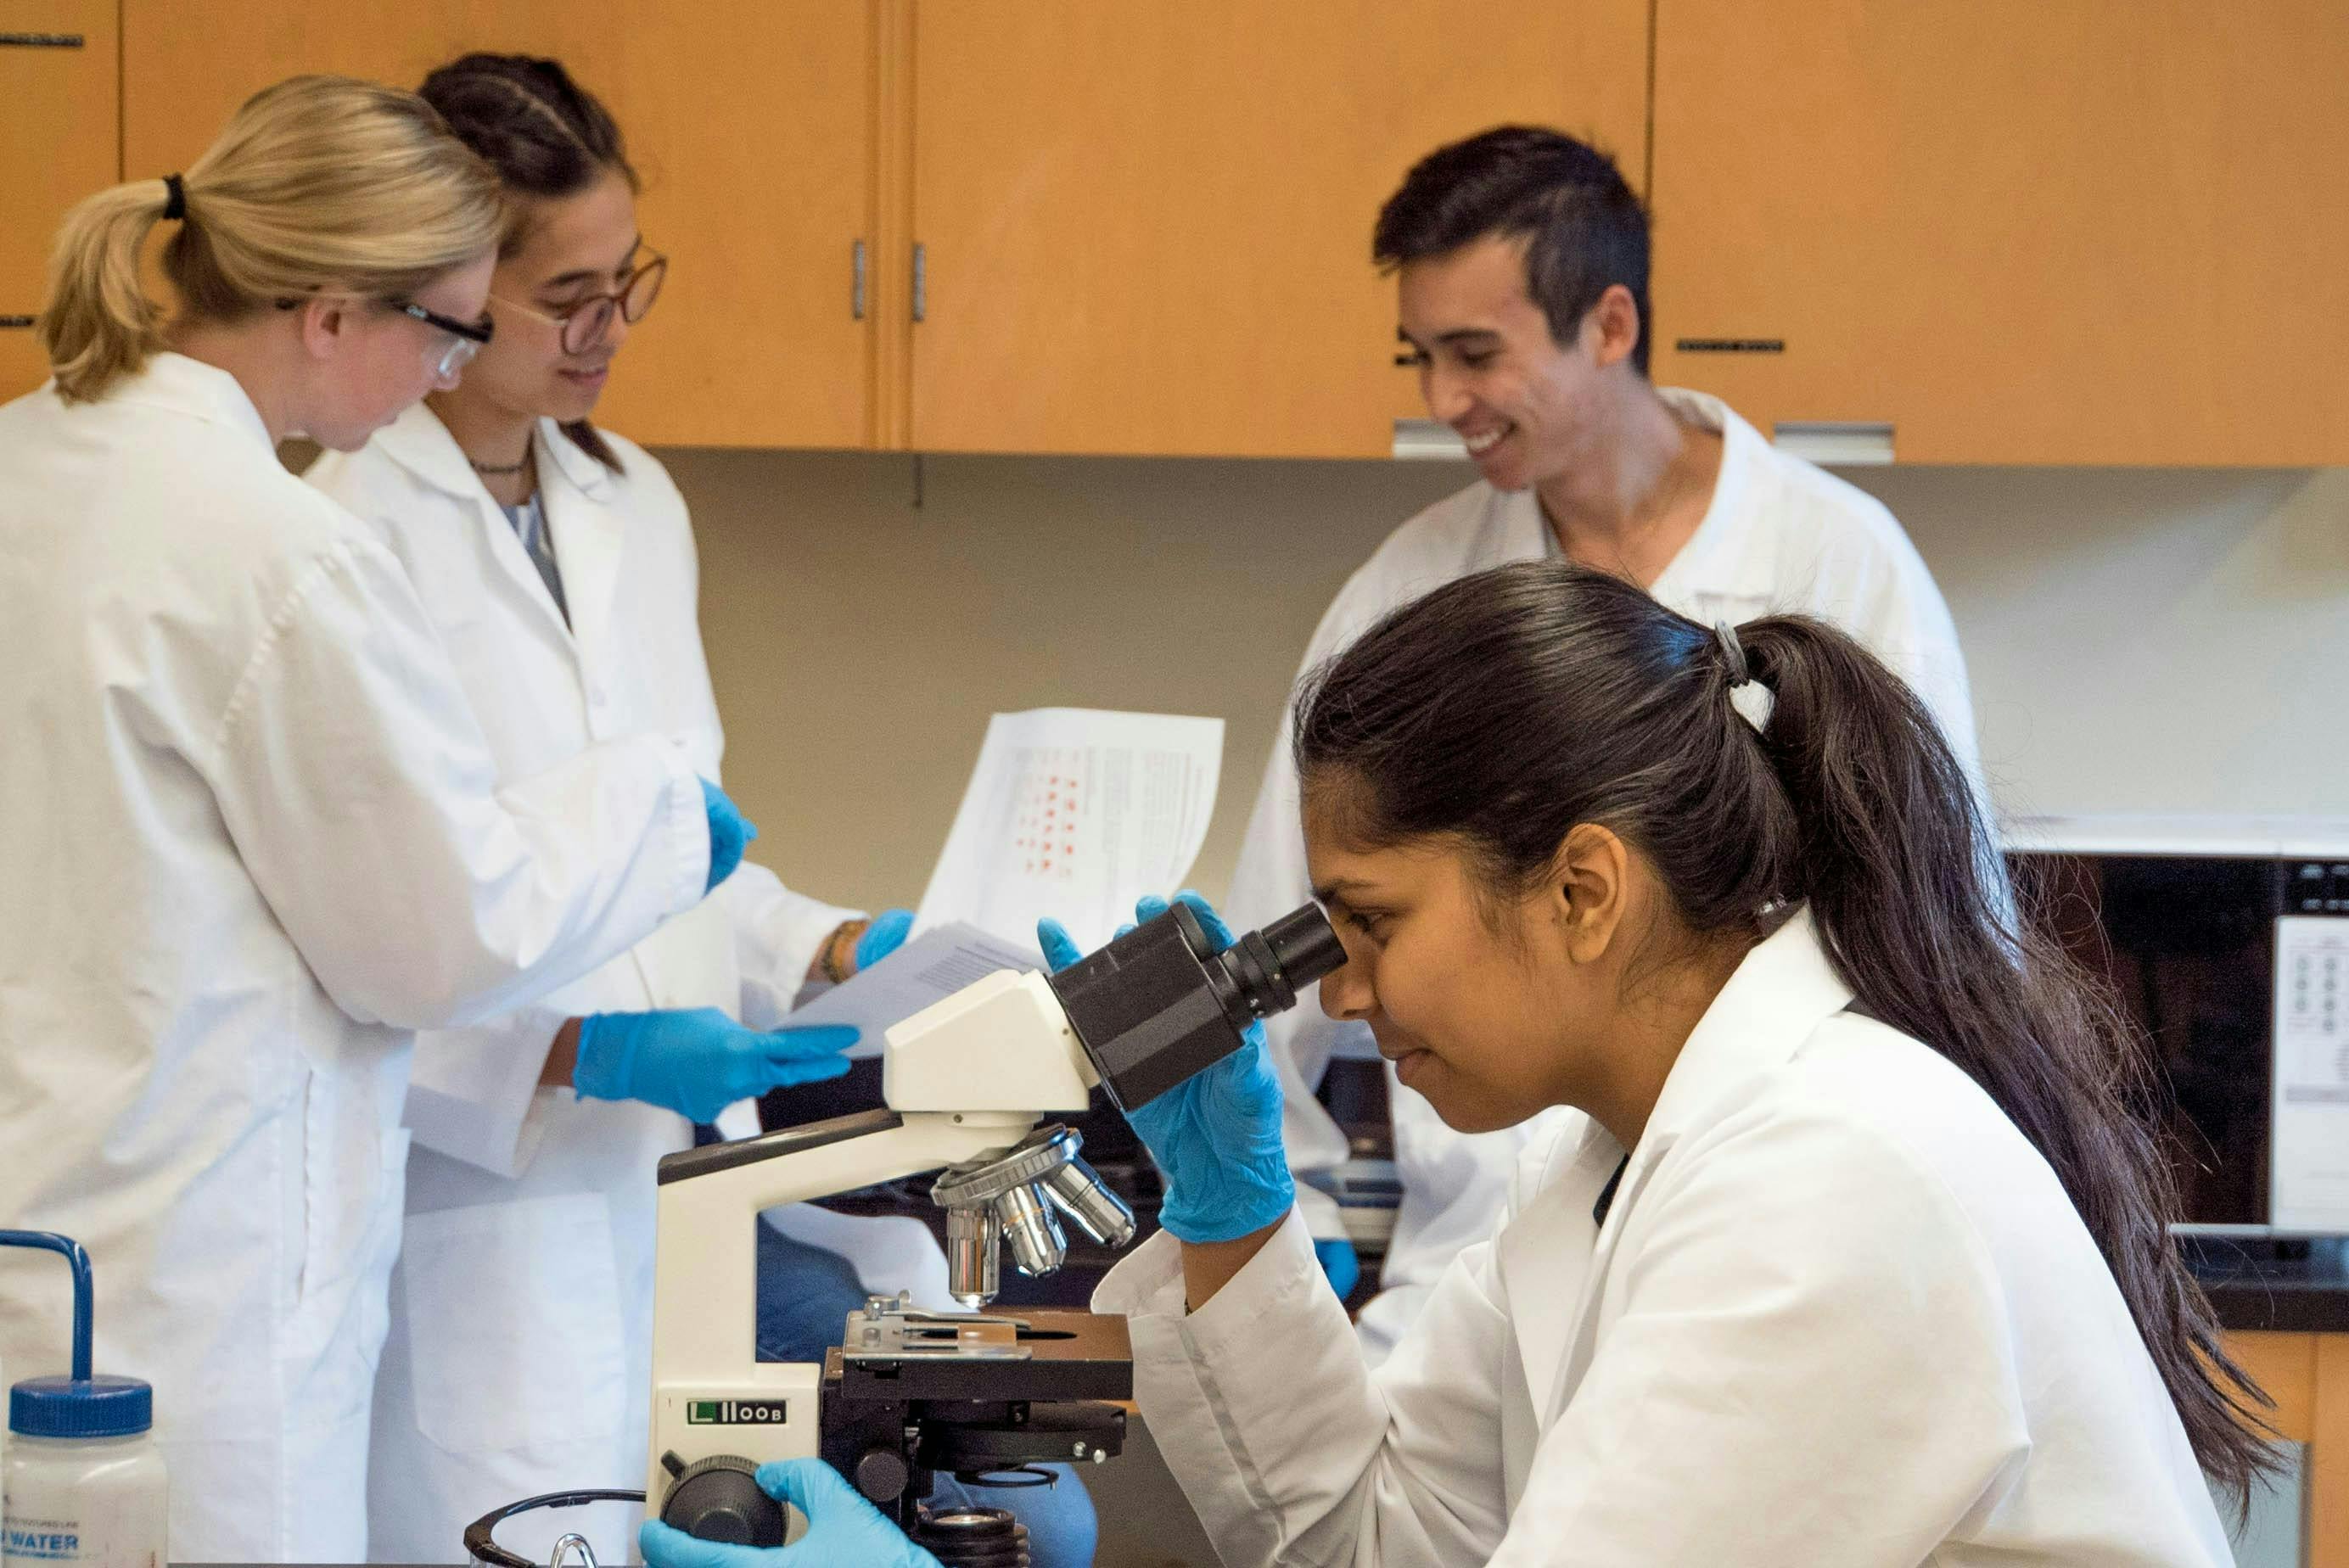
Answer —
557 561
251 833
1848 1248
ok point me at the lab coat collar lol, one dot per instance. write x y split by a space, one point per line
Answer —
1556 1254
566 458
1726 556
189 386
418 442
1547 1254
420 445
1785 988
590 531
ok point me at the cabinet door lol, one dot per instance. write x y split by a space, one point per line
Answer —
2020 231
1147 229
58 143
751 123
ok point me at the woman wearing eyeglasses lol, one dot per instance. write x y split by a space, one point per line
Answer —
252 836
558 561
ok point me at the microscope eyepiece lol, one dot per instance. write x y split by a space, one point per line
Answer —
1305 945
1159 1003
1267 968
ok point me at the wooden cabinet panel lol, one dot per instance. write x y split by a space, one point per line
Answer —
2025 231
2284 1367
1147 228
2307 1375
58 142
2328 1456
753 124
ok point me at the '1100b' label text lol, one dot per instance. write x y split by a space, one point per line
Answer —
735 1412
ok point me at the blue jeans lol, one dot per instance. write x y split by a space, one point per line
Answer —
805 1296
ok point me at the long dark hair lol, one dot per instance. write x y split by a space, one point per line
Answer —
1504 708
545 135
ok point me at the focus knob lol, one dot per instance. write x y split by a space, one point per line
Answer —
883 1475
717 1499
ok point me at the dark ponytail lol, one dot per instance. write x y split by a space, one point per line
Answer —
1504 708
546 136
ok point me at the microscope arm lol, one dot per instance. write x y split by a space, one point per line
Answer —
705 1291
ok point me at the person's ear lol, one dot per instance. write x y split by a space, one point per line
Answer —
1613 327
1586 888
327 322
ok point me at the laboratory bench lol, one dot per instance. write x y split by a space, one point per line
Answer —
2299 1287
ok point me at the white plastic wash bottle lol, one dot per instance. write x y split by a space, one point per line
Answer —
82 1480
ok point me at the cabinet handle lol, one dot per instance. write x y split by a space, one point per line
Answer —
40 40
921 282
856 282
15 321
1843 442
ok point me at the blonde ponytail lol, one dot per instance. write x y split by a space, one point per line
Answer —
319 184
98 322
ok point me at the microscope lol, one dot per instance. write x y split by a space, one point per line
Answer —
968 1084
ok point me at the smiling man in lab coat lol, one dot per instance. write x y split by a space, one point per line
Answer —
1522 260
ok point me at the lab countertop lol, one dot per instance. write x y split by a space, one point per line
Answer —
2305 1291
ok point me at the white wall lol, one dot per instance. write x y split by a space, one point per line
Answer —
2172 640
2147 640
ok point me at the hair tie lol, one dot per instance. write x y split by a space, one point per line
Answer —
175 199
1752 699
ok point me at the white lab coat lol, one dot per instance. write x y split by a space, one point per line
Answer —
1840 1312
521 1310
252 836
1779 535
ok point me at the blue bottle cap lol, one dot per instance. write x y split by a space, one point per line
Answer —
80 1407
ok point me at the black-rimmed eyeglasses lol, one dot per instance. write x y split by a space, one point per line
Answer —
465 338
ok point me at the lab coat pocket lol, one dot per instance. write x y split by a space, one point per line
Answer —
514 1325
382 1247
354 1180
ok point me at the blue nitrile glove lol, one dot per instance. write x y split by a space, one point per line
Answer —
730 833
1216 1137
843 1530
696 1061
1340 1265
883 937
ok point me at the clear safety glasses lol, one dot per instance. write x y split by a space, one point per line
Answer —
584 322
454 342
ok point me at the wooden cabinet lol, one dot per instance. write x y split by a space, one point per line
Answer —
754 128
1139 230
2307 1375
2088 232
59 100
1147 229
